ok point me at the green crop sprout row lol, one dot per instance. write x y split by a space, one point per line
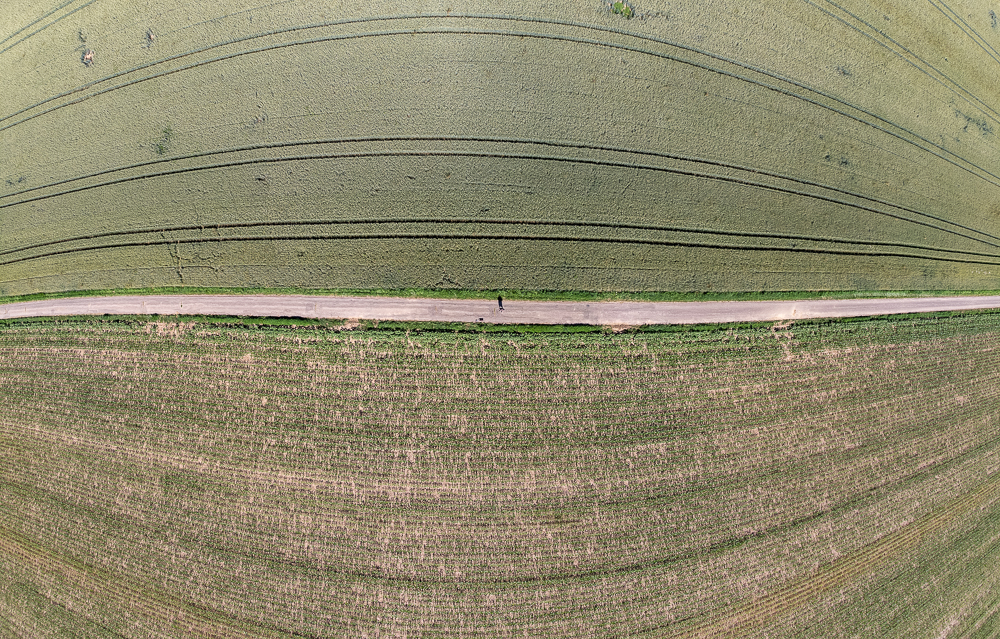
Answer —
448 481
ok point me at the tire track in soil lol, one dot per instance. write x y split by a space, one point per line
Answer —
516 156
877 35
39 30
957 161
495 140
503 237
973 35
489 221
445 220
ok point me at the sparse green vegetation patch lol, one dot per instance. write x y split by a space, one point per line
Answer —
623 9
162 145
431 481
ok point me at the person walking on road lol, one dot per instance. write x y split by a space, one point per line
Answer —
500 302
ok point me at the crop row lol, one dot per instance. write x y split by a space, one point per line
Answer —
747 177
276 503
793 244
527 152
673 51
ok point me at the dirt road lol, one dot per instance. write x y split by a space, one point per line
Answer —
487 311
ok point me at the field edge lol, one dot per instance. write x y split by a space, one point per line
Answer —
524 295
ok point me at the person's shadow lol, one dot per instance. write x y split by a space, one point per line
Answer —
500 302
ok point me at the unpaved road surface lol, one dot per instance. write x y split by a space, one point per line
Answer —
487 311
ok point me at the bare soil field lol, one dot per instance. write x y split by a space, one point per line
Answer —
557 145
228 478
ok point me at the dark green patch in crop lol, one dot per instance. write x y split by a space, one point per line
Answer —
162 146
979 123
181 482
623 9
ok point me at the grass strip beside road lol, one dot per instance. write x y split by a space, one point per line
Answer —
512 295
417 327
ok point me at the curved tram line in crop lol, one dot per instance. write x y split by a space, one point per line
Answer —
848 109
51 12
872 32
967 29
501 140
447 220
511 237
951 254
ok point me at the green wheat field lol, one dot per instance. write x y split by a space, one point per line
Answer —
558 145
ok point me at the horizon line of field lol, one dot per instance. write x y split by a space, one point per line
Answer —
689 49
498 155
